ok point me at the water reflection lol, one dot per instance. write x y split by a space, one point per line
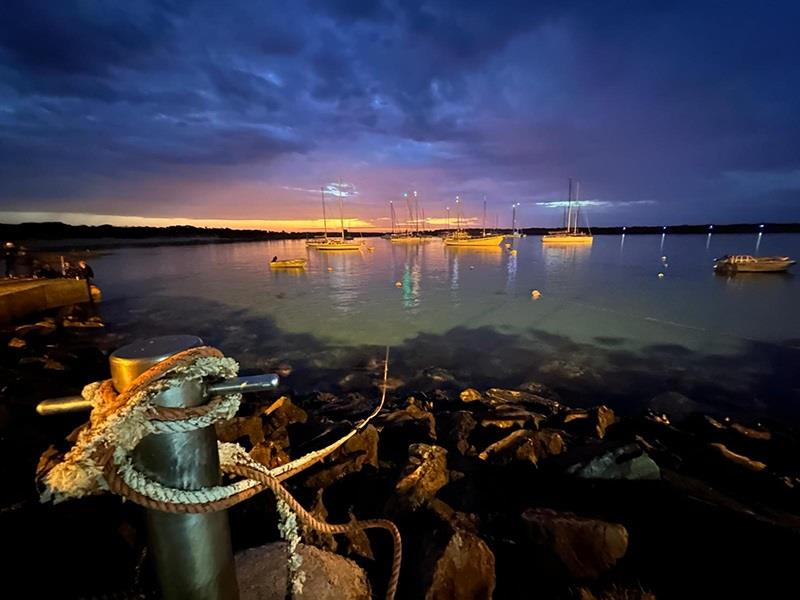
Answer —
621 244
511 272
663 238
758 241
708 241
556 255
412 276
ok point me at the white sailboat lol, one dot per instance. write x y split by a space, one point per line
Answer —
338 244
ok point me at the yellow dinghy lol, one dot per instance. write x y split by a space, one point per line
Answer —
292 263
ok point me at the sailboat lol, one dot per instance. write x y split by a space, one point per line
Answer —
463 239
570 234
318 241
336 244
412 235
515 233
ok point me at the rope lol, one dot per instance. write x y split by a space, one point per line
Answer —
100 459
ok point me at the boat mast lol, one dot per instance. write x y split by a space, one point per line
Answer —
410 224
416 210
324 218
577 203
391 210
341 208
566 208
484 216
458 213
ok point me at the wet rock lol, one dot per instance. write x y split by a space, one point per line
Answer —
16 342
445 558
525 446
262 575
463 569
324 541
425 474
470 395
539 389
281 413
391 383
437 375
675 405
352 406
569 545
270 454
613 592
454 430
358 451
511 416
402 427
355 381
244 430
628 461
497 396
53 365
356 542
751 433
590 422
738 459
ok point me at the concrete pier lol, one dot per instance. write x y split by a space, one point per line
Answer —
20 297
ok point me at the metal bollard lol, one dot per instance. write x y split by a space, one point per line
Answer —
192 552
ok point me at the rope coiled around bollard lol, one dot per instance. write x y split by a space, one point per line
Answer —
100 459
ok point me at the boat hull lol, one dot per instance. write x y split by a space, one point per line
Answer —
767 266
564 238
338 247
476 242
295 263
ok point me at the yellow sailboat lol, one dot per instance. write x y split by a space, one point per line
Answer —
570 234
462 239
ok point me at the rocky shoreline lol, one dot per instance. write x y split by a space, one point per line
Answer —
504 493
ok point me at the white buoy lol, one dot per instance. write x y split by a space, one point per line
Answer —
398 284
661 276
536 294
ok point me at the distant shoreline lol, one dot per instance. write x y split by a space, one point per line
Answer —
60 236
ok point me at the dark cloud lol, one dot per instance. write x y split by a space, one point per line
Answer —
657 102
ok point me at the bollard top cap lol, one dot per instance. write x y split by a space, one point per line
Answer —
128 362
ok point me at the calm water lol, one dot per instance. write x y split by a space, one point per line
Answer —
605 326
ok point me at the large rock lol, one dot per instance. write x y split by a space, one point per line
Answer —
590 422
445 558
359 450
628 461
737 459
403 427
568 545
675 405
541 404
524 445
512 416
470 395
263 575
462 570
423 476
454 430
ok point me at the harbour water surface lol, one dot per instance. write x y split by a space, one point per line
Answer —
606 327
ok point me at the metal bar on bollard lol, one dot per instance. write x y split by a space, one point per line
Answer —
243 385
192 552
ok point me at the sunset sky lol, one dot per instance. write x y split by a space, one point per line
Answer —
236 113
